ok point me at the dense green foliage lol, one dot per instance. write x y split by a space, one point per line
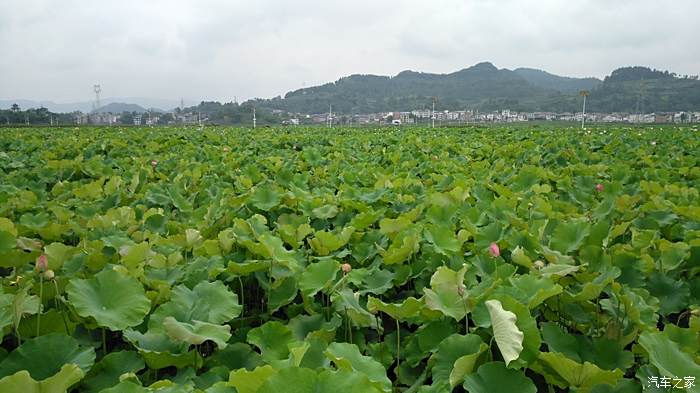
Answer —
485 87
348 260
16 115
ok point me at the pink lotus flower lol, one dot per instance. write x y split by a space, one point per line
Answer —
599 187
42 263
346 268
494 250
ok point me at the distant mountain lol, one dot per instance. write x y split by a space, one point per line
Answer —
87 106
563 84
485 87
119 107
641 89
480 86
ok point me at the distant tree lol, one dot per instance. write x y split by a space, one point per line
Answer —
15 108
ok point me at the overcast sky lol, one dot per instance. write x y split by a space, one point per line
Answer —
206 49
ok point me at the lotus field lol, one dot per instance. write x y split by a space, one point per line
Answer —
313 260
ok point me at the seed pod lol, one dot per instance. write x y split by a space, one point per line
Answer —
49 275
346 268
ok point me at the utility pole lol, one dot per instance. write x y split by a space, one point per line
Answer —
432 115
330 115
584 94
254 119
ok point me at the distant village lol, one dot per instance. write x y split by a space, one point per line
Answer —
397 118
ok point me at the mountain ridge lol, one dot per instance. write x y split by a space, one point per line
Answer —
483 86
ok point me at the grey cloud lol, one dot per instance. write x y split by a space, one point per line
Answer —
221 49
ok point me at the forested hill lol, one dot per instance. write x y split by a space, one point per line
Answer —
485 87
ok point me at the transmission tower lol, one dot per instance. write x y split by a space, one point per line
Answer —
97 89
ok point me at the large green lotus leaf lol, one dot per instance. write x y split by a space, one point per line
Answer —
405 244
506 333
348 357
156 223
129 386
606 354
7 241
346 381
317 276
348 302
375 280
389 226
235 356
491 233
44 356
291 380
672 254
276 251
568 236
456 357
592 288
265 197
673 294
22 381
669 358
444 292
282 293
197 332
325 212
106 372
246 268
115 301
443 239
622 386
250 381
58 254
564 372
557 269
325 242
519 257
409 309
158 350
426 340
6 225
534 290
272 338
495 377
6 315
210 302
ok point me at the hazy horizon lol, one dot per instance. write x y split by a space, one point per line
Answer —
220 51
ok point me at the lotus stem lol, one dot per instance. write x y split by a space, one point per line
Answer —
104 342
56 299
398 352
41 296
240 281
419 382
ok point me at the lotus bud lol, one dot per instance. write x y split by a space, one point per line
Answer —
538 264
49 275
653 143
599 187
226 149
346 268
42 263
494 250
460 290
154 163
